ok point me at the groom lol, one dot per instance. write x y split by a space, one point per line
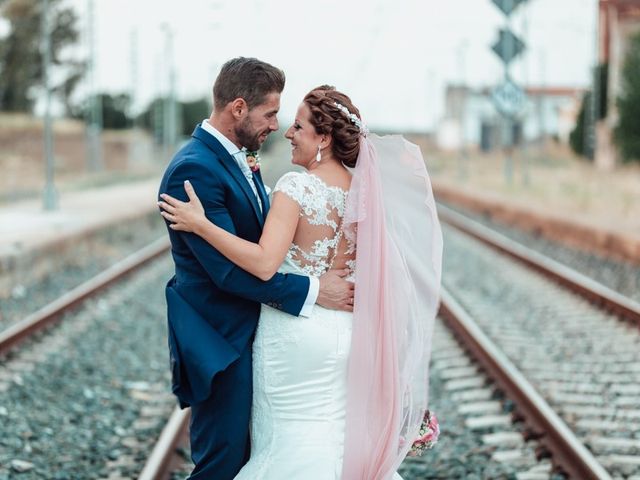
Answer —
213 306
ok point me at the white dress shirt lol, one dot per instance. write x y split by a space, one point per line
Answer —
240 156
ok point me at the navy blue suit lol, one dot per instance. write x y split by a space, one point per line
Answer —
213 307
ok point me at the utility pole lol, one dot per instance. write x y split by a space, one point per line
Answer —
462 153
133 93
526 179
50 194
170 111
541 104
594 113
158 108
508 97
94 124
135 147
430 103
600 92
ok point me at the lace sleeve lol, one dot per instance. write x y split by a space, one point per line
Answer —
292 185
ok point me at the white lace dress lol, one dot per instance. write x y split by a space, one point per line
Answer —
300 364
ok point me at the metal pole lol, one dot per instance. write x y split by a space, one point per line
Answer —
50 194
462 153
135 153
542 101
94 128
601 93
173 106
594 112
158 107
508 163
170 101
526 179
133 94
430 103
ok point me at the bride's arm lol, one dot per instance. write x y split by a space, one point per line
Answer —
261 259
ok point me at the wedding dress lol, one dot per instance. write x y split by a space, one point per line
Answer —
300 364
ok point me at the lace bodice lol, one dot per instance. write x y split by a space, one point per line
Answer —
318 238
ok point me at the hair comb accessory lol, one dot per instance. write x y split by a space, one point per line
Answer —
352 117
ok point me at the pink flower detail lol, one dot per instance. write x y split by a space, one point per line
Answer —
427 435
253 160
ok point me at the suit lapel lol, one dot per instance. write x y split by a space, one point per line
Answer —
231 166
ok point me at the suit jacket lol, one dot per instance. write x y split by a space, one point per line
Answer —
213 305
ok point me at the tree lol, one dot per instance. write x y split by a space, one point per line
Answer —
193 113
577 139
603 83
627 132
114 111
190 114
21 57
152 118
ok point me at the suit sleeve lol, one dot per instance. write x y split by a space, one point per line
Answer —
286 292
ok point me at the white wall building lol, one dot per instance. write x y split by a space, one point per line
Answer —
618 21
472 121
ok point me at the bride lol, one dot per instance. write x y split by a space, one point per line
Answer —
337 394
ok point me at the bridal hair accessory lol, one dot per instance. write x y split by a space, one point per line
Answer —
427 435
318 155
253 160
353 117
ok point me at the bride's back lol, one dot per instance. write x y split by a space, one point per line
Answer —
300 362
318 243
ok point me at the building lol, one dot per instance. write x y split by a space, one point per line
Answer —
618 21
471 120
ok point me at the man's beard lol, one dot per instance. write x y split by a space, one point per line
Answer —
247 137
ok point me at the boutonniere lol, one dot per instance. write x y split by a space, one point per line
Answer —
253 160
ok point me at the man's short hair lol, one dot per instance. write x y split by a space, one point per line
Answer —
247 78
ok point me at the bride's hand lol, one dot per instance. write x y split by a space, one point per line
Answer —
184 216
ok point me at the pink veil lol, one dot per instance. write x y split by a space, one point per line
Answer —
391 212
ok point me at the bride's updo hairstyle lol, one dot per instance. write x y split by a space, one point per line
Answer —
327 118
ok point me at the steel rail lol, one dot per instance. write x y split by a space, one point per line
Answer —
568 453
49 314
160 458
597 293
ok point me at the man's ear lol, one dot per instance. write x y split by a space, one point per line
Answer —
239 108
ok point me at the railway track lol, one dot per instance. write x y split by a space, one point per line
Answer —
569 455
580 402
83 381
577 347
626 308
550 388
551 393
15 334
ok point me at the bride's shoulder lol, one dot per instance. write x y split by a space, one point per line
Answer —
291 176
292 179
293 184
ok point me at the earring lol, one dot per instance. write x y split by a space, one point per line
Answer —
318 155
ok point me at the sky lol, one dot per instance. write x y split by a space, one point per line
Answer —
392 57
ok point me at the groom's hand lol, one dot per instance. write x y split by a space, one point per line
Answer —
335 292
